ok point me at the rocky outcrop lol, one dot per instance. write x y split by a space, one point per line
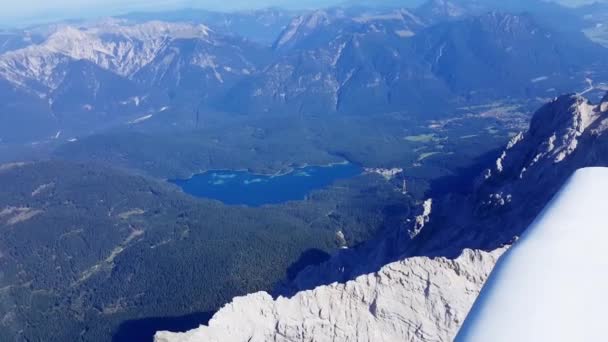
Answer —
417 299
421 220
565 135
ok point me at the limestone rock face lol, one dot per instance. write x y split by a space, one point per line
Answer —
417 299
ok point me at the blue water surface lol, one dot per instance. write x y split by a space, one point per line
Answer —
244 188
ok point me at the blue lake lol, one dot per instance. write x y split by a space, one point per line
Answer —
244 188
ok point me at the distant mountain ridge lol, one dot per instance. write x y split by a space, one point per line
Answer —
123 50
332 63
260 25
425 61
115 72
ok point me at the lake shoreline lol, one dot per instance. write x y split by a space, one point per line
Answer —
253 189
279 173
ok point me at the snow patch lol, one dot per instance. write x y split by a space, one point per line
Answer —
423 219
539 79
11 166
142 119
291 31
42 189
405 33
338 54
14 215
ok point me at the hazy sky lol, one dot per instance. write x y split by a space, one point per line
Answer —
13 10
23 11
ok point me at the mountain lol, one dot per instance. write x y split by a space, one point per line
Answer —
549 14
14 40
25 117
305 25
261 26
87 87
331 63
93 77
200 66
118 48
115 73
566 134
418 299
434 11
321 26
505 55
595 16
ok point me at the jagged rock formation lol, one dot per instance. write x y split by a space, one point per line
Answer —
437 10
327 61
121 49
417 299
421 220
565 135
114 72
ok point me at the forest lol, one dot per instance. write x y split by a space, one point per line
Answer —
85 248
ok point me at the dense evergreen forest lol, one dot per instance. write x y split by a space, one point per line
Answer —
84 248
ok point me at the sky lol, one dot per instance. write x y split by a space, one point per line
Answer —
15 11
22 12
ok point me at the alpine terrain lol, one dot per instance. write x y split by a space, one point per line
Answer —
288 171
421 298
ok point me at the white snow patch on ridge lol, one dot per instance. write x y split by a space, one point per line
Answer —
141 119
539 79
405 33
551 286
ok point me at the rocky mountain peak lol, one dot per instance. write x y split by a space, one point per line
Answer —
66 34
304 25
555 133
122 49
509 23
416 299
445 8
316 18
